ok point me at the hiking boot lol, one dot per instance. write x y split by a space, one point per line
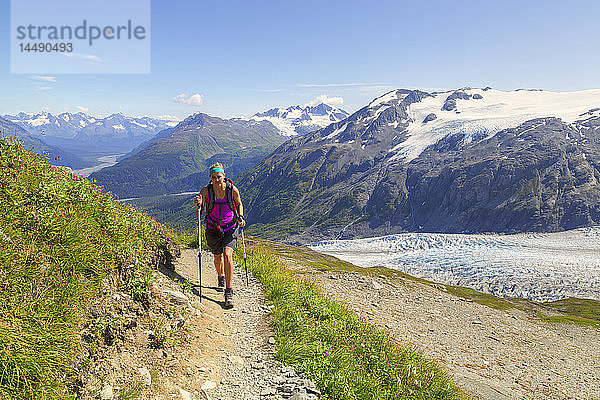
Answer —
221 284
228 298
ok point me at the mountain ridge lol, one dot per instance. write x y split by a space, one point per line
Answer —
176 160
299 120
55 155
371 174
88 135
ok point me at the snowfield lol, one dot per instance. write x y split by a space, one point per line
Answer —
538 266
484 117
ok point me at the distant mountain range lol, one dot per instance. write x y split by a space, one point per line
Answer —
90 136
55 155
177 159
298 120
467 160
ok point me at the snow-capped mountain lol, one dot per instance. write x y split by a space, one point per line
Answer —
478 113
65 125
466 160
55 155
298 120
87 135
68 125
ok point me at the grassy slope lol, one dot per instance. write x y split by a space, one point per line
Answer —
60 237
347 358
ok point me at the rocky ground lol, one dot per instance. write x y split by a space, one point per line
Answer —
492 354
183 348
212 353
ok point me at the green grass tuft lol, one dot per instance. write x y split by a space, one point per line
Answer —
347 357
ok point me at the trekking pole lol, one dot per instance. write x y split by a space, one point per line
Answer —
200 251
244 246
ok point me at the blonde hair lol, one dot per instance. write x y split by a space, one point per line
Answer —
219 165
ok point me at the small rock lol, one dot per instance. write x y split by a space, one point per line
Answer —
185 395
376 285
299 396
258 366
286 388
476 322
268 392
145 375
271 340
283 369
208 385
203 395
307 383
179 323
107 392
313 389
177 298
236 359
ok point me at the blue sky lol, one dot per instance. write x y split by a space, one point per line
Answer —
243 57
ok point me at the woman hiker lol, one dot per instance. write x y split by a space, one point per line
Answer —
224 213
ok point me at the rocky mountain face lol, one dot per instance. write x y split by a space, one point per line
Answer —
469 160
87 135
177 160
55 155
298 120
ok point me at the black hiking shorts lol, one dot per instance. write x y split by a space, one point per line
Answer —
216 242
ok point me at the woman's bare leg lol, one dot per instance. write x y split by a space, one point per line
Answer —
228 261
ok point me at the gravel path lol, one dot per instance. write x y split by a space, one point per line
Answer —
242 364
491 354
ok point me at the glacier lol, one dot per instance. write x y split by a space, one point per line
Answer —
538 266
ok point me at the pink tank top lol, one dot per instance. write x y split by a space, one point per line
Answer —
221 213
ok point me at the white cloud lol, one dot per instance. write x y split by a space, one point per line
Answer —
193 100
332 101
271 90
44 88
44 78
87 57
83 109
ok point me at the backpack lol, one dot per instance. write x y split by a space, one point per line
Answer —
211 205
